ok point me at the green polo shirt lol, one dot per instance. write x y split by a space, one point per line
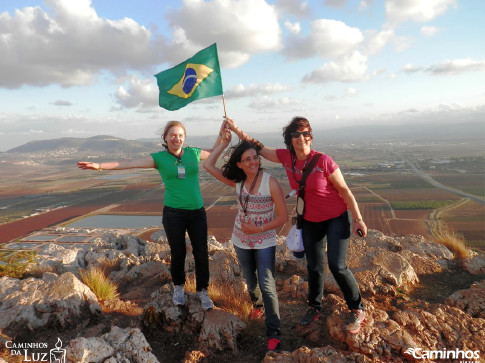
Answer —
180 193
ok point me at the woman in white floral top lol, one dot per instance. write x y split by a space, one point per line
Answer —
259 197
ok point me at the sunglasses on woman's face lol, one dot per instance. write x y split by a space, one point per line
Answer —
296 134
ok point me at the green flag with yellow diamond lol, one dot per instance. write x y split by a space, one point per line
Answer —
198 77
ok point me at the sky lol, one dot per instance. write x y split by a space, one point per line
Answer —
86 67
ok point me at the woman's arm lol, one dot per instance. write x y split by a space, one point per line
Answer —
204 153
266 152
146 162
280 211
210 162
338 181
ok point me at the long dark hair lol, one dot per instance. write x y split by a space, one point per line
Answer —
295 123
230 170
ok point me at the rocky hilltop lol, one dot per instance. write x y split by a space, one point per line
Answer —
421 306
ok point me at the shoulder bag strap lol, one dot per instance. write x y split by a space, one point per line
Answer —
306 173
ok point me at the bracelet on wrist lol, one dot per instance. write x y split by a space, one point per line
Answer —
99 167
261 229
358 220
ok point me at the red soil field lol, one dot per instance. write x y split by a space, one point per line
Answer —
22 227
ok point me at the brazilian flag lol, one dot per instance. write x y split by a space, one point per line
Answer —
198 77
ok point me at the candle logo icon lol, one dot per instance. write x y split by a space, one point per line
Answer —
58 354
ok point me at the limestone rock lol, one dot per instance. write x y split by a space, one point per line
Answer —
119 345
387 336
215 330
475 265
471 301
37 303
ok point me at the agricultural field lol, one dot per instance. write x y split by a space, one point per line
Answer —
393 198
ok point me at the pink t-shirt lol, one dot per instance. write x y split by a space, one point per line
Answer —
322 200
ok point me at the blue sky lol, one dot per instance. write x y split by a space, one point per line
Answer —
84 68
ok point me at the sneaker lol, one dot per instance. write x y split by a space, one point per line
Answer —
205 301
178 295
355 320
274 344
256 313
310 316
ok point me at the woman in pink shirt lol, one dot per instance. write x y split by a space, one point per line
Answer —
328 201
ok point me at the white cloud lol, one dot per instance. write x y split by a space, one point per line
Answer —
266 104
328 38
429 31
375 41
294 28
351 68
399 11
255 90
351 92
449 67
293 7
240 28
141 94
409 68
335 3
61 103
456 66
68 46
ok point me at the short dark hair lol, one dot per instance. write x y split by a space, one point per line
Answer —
230 170
295 123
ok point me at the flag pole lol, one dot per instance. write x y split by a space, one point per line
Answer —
224 104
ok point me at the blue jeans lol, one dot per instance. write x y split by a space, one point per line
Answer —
337 231
258 269
176 222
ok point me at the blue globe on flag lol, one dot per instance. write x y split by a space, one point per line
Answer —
190 78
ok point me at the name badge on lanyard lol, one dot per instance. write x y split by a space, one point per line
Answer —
181 172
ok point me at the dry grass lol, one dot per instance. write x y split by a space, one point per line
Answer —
100 285
453 242
224 297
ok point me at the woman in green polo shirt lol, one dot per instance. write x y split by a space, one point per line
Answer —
183 209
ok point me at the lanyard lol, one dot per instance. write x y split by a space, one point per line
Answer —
178 157
293 163
246 199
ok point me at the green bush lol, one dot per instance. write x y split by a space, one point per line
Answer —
16 263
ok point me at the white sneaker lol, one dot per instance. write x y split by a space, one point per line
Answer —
205 301
178 295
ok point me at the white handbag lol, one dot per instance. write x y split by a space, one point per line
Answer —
294 240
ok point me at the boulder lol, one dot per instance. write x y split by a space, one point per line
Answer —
119 345
475 265
471 301
32 303
387 336
213 330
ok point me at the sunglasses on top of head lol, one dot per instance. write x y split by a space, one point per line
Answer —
296 134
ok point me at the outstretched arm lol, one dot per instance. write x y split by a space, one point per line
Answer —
210 162
146 162
339 183
266 152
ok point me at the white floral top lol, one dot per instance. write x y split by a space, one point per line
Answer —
260 210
